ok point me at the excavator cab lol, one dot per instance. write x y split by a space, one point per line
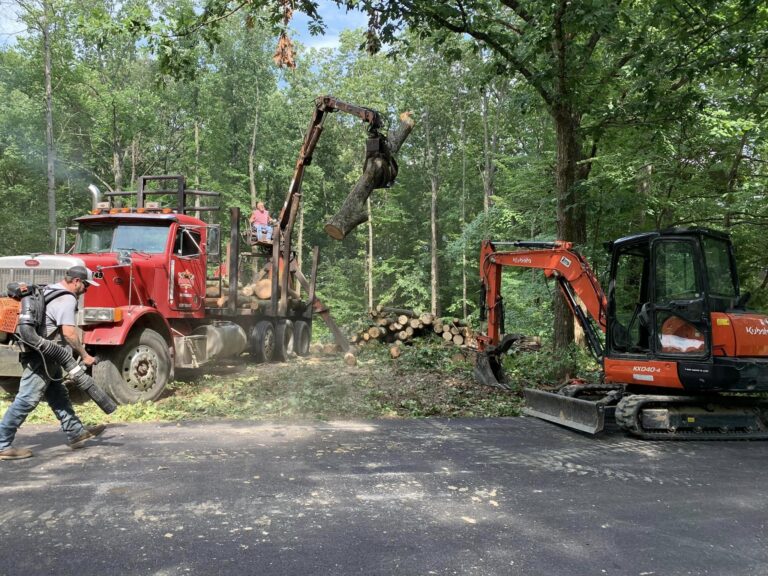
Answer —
678 342
663 287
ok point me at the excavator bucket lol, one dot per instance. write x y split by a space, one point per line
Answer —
489 371
582 415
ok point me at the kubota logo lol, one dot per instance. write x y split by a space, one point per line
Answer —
755 331
522 260
651 369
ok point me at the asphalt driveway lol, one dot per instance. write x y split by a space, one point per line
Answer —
418 497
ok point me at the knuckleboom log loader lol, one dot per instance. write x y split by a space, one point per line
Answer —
681 356
162 302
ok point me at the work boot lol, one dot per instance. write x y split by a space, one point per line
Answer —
15 453
90 432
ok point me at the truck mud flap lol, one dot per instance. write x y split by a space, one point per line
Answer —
582 415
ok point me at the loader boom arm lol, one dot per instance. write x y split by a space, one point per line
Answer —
324 105
557 260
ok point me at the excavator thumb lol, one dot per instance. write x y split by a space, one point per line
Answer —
583 415
488 369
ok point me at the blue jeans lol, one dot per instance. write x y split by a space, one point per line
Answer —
262 233
34 386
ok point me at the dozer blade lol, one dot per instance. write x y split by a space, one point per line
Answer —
575 413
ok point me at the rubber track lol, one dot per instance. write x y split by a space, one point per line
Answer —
628 418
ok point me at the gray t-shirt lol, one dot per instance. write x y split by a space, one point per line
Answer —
61 311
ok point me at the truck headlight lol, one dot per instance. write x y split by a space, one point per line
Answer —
94 315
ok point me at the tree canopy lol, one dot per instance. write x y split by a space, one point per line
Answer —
585 121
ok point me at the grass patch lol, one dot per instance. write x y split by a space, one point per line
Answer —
428 380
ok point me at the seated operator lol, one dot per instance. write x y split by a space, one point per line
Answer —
260 223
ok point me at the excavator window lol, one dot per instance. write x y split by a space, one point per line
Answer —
628 294
676 277
723 286
678 298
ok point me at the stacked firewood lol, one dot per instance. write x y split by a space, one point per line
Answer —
403 325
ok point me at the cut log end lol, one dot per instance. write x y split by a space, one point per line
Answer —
334 232
350 359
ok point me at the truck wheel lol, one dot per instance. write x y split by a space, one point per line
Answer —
137 371
283 340
301 338
263 341
9 385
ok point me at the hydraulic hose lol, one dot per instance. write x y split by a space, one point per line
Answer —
62 356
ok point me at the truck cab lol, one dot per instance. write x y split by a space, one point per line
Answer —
157 308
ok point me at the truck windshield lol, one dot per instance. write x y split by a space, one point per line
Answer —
141 238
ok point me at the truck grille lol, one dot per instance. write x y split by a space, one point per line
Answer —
50 269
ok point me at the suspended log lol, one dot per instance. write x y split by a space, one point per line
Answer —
376 174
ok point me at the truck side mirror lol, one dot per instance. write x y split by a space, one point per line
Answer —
124 258
213 243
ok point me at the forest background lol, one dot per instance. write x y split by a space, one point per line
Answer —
533 120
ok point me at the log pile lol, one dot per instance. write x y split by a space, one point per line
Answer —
403 325
248 296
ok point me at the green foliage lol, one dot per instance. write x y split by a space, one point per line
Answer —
674 104
543 369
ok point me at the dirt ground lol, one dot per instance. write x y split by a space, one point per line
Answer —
428 381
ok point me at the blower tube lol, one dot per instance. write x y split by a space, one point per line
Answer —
62 356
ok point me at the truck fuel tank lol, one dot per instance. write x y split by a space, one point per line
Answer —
223 339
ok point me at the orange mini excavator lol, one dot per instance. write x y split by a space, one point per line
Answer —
682 358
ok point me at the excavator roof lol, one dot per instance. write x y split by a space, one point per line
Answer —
646 237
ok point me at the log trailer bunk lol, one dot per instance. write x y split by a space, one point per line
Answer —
683 358
152 311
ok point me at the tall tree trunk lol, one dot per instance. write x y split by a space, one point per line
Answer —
134 159
488 169
50 150
252 153
433 163
197 166
571 213
370 254
117 153
463 138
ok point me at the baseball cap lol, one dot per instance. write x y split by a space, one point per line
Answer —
83 273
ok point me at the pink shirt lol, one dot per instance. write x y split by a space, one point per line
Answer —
260 218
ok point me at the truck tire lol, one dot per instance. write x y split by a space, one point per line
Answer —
263 341
137 371
283 340
302 336
9 385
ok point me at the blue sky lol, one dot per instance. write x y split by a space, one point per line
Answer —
336 21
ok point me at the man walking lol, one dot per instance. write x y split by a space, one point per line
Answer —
43 380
